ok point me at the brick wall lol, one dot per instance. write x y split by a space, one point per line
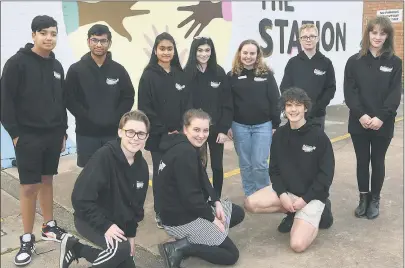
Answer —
370 10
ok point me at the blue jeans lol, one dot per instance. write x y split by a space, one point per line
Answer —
252 144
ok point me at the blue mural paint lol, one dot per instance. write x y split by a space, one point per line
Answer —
70 16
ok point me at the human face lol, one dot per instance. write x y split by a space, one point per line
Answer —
377 37
203 54
197 132
45 39
133 136
295 111
99 44
308 39
165 51
248 55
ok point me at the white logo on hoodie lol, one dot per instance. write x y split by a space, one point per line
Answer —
161 166
319 72
215 84
386 69
308 148
57 75
139 184
180 87
112 81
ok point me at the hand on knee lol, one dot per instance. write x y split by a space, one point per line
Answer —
298 245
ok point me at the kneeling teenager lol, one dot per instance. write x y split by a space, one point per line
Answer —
108 198
189 207
302 167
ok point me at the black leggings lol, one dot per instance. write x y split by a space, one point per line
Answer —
226 253
216 157
156 157
379 146
117 256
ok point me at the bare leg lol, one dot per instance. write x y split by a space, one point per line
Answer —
302 235
28 198
264 201
46 198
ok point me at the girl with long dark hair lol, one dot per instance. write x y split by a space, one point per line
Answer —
211 93
164 97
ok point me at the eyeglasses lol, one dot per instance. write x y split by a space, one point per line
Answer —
130 133
311 37
103 42
201 37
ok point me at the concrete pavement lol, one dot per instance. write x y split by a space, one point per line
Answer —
350 242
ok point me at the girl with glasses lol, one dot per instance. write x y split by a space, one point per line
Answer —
211 93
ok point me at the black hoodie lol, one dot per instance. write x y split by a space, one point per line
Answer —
316 76
373 86
255 99
32 95
164 98
211 92
110 191
302 162
98 96
182 185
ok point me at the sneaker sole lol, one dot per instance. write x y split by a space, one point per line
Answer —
62 251
159 226
51 239
162 252
22 264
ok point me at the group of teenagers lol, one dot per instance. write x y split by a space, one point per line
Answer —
184 112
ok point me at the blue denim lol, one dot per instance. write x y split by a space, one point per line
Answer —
252 144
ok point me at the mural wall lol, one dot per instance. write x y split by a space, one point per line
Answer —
135 24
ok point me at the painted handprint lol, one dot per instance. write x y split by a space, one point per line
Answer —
182 53
112 13
202 14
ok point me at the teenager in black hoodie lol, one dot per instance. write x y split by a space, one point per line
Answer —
211 92
256 116
372 88
190 210
99 92
108 198
33 112
302 167
313 72
163 94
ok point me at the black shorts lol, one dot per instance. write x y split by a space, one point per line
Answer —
86 146
38 154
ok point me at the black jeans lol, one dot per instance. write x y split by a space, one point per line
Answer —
226 253
117 256
216 157
370 147
156 157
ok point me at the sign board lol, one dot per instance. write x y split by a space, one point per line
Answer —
395 15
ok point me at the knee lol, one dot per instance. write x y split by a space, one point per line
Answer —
238 213
30 189
233 257
124 249
250 206
46 179
298 245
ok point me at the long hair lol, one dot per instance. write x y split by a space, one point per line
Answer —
386 26
153 57
192 63
260 66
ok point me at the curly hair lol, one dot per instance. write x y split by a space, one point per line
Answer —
260 66
297 95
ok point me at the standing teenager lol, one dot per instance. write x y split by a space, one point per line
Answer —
313 72
256 116
211 92
99 92
33 112
108 199
163 95
191 211
302 167
372 88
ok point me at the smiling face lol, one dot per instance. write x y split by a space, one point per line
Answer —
133 136
45 39
295 111
197 132
203 54
248 55
377 37
99 45
165 51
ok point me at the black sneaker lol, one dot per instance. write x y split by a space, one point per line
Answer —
287 223
51 232
67 253
158 221
27 247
